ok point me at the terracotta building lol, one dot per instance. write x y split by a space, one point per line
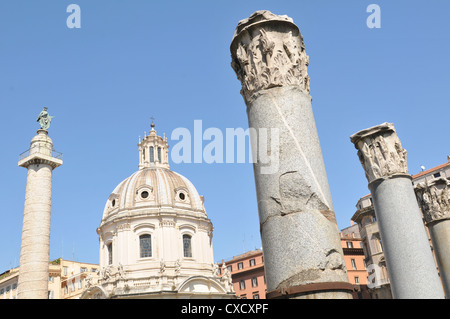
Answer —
355 261
247 273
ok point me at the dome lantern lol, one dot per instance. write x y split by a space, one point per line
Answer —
153 150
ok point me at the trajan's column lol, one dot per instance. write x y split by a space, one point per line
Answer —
303 257
40 160
409 260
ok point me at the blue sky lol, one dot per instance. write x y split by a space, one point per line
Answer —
132 60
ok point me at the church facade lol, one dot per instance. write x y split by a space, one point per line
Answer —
155 236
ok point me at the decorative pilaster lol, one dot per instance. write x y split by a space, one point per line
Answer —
409 260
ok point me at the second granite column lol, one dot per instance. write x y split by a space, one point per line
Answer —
410 264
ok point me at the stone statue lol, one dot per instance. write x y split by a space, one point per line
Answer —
215 269
44 119
226 278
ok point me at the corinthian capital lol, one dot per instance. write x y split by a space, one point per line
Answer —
434 199
380 152
267 51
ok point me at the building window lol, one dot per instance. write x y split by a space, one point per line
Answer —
187 247
230 268
254 282
83 269
437 175
349 244
159 154
110 253
145 244
65 271
353 264
255 296
152 155
356 280
252 262
380 244
240 265
242 284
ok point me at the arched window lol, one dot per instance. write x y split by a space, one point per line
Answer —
152 155
110 256
159 154
187 247
145 245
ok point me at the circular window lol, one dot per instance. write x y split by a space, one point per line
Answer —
113 203
182 196
144 194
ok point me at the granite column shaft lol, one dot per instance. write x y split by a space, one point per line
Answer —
302 251
434 200
409 259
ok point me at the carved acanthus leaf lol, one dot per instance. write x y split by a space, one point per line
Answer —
380 152
434 199
271 59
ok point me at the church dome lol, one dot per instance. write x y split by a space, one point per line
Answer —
153 188
155 237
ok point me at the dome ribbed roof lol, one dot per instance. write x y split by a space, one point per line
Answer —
153 188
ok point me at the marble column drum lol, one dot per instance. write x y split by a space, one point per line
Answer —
410 263
303 257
